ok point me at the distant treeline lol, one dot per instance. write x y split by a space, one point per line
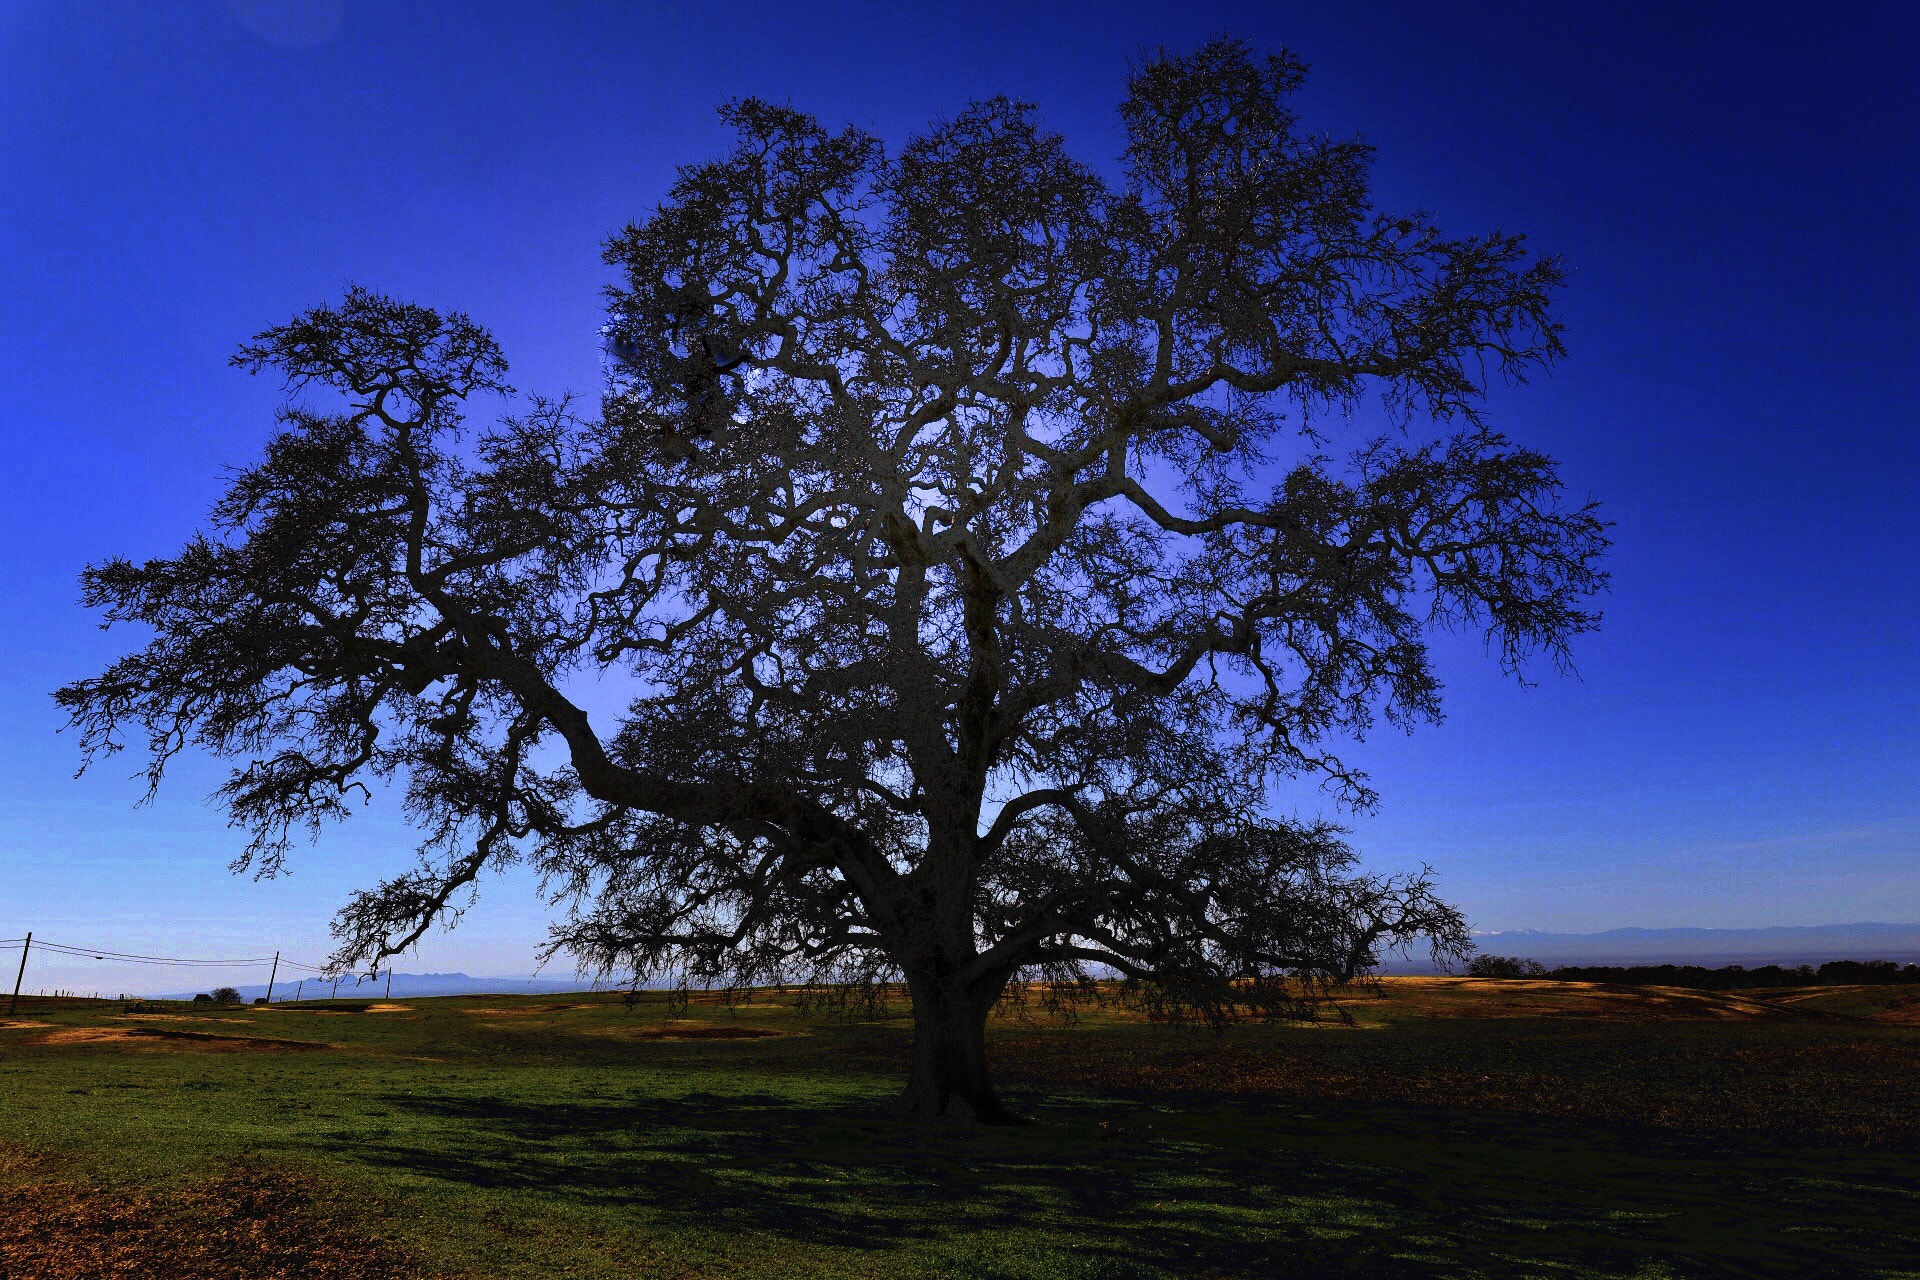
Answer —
1834 973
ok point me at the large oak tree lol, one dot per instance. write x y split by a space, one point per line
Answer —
963 547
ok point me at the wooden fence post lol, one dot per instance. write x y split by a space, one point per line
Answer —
20 973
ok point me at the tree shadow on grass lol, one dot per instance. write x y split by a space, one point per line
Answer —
844 1176
1233 1193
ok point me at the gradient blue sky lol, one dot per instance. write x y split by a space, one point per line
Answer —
1734 188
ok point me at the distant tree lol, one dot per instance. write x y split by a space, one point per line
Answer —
945 537
1734 977
225 995
1505 967
203 998
1848 972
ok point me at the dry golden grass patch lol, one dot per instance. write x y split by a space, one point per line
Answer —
1552 998
1394 999
1878 1002
1795 995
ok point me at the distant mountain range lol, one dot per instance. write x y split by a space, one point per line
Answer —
1787 945
404 984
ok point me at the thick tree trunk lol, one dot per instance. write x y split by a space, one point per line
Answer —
949 1081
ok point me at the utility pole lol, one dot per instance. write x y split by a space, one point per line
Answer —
24 948
389 994
297 990
272 975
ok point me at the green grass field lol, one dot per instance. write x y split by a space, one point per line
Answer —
1454 1128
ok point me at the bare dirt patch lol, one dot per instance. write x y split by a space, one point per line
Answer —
246 1224
166 1039
1905 1010
20 1023
708 1033
175 1017
738 1000
524 1009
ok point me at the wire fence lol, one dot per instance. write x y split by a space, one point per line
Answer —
33 967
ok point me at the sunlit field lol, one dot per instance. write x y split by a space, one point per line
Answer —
1435 1128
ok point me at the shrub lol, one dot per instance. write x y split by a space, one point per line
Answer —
224 995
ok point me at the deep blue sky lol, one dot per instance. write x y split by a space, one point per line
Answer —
1733 186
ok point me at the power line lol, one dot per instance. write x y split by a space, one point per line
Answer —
130 957
127 957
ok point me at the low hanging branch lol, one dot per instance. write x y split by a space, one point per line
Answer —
944 527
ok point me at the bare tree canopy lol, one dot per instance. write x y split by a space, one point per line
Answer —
940 588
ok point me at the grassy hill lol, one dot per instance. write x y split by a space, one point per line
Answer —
1434 1127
